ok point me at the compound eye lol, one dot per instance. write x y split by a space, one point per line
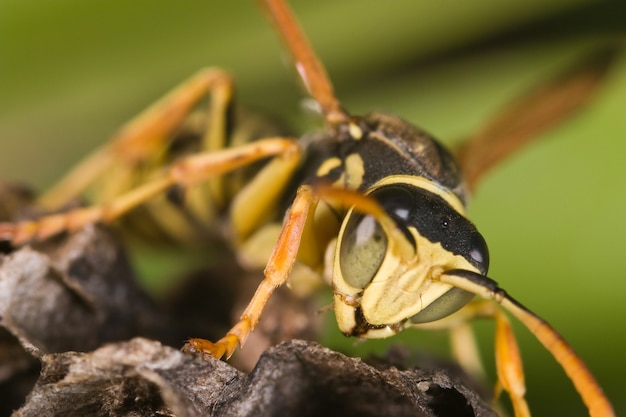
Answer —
397 202
443 306
363 248
479 252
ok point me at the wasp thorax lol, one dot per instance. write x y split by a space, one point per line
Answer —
380 286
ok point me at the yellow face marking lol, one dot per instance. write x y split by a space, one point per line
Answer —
402 287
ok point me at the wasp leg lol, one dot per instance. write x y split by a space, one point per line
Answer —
465 350
258 199
574 367
276 274
188 171
509 366
148 133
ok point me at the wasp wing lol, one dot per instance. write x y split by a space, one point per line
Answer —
523 120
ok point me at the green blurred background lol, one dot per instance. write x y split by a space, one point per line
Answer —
554 216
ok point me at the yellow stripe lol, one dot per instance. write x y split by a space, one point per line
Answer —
327 166
423 183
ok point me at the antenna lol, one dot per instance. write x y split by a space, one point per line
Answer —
309 67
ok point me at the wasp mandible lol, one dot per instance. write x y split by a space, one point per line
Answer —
374 203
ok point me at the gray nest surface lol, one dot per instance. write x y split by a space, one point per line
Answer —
79 337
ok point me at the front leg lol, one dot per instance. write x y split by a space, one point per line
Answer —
276 274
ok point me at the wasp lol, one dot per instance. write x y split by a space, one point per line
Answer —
373 204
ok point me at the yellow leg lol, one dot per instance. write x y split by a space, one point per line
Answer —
258 199
509 368
465 350
276 274
149 132
187 171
